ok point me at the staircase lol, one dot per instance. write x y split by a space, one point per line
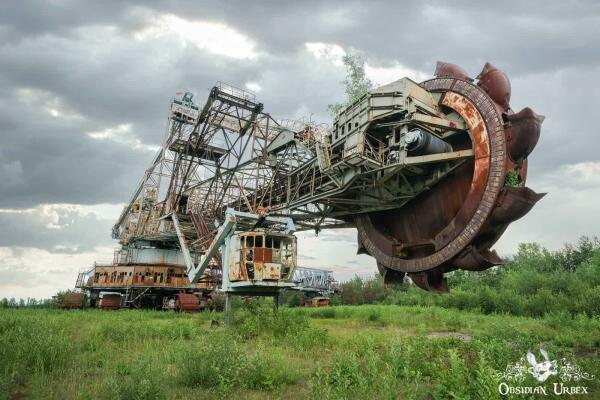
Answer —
83 275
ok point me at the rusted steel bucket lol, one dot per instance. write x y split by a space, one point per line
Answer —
73 300
187 302
110 301
454 224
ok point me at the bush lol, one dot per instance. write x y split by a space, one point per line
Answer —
137 381
452 379
220 362
536 282
216 362
29 346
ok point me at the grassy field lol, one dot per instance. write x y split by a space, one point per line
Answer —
369 351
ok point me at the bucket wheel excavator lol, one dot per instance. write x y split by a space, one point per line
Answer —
430 175
453 224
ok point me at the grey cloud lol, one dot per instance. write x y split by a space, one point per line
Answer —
45 159
56 229
558 33
82 55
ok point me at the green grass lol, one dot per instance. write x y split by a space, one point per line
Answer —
369 351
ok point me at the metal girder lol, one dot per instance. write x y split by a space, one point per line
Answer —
225 230
255 174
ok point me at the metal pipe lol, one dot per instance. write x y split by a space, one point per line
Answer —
419 141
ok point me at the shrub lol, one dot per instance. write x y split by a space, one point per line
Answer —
220 362
374 315
27 346
216 362
138 381
535 282
452 380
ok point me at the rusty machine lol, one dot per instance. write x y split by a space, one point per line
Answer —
430 175
316 285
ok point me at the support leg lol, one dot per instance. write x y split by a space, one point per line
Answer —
275 303
227 309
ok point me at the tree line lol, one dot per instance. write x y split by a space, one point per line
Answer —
29 302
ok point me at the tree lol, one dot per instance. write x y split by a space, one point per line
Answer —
356 83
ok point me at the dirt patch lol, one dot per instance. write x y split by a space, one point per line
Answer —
456 335
585 352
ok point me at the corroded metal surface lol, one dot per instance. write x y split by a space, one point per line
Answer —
496 84
73 300
444 69
485 125
110 301
187 302
523 133
454 224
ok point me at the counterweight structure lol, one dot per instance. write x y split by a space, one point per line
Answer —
430 174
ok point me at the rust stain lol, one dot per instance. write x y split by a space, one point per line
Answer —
469 193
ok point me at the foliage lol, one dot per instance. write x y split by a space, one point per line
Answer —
512 179
29 302
395 349
367 351
139 379
363 291
534 283
356 83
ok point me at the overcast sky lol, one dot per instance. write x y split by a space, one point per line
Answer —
85 86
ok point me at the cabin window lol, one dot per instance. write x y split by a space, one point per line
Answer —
249 241
258 241
269 242
276 242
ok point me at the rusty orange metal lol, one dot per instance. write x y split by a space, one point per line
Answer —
454 224
317 302
444 69
523 132
156 275
496 84
187 302
110 301
73 300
